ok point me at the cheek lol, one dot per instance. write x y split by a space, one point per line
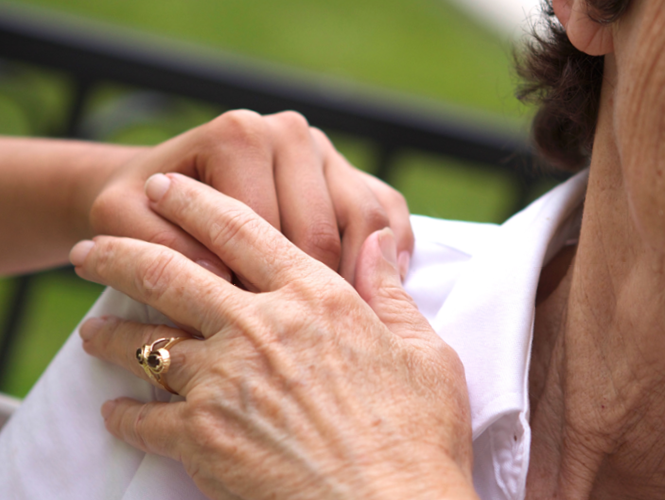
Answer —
640 125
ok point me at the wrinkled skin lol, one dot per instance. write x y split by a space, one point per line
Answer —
599 343
307 389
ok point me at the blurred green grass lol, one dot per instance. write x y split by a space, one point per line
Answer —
421 47
425 47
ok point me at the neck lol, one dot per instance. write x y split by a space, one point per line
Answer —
597 381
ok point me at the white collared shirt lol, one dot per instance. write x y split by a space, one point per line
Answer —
475 283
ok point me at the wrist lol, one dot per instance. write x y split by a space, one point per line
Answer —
45 185
97 164
420 477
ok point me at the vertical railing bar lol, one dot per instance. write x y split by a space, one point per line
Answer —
82 89
385 161
83 86
18 302
13 322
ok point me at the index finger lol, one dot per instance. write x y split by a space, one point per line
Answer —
259 254
161 278
133 218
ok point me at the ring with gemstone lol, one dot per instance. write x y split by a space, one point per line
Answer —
156 360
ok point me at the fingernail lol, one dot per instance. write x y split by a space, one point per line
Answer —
80 252
156 186
215 269
107 409
403 263
90 328
387 244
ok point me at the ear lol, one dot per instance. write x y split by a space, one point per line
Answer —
584 33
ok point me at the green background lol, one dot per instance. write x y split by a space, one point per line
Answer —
423 48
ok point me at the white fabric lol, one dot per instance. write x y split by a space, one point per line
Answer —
8 405
475 283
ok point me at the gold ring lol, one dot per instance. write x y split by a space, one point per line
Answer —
157 361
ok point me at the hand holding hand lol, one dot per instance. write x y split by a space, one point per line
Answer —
286 171
300 391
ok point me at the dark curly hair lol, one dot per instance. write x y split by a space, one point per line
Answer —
565 83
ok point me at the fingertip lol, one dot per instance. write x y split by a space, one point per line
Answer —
80 251
156 186
377 260
91 327
108 408
388 246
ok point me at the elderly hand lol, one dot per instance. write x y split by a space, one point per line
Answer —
286 171
300 391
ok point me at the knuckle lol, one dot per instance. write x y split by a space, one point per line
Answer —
334 297
105 251
395 292
198 417
392 293
237 118
138 428
154 275
444 363
293 121
165 238
320 136
325 145
146 335
236 224
322 241
240 126
111 335
374 217
295 126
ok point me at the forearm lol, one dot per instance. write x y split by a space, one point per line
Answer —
46 189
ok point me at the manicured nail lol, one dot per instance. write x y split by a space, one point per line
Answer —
107 409
156 186
90 328
80 252
387 244
403 261
215 269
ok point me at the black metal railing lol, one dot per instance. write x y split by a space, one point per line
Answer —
91 57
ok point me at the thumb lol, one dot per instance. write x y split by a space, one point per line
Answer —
378 283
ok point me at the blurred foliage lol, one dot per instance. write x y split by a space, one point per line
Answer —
425 47
447 189
32 101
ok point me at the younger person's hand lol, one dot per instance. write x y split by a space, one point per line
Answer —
286 171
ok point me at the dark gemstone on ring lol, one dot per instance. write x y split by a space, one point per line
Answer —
139 355
154 361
